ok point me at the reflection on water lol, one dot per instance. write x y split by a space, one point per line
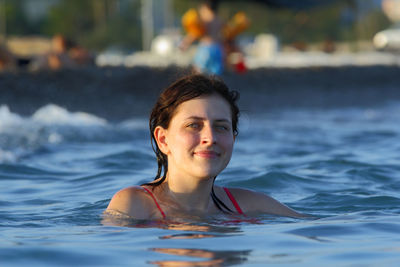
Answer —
188 236
187 230
220 226
200 227
212 258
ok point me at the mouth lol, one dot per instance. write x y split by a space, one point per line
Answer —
207 154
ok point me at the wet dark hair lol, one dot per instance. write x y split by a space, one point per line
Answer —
182 90
212 4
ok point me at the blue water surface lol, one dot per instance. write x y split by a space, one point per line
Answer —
59 169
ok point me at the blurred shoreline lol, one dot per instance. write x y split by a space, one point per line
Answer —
118 93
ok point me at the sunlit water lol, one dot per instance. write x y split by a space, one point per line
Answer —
59 169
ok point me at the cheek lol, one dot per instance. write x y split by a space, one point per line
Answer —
227 142
184 140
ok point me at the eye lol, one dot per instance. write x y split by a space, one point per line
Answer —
222 127
193 125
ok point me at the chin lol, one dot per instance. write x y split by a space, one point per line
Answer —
209 173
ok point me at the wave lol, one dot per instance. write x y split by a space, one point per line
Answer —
53 114
52 124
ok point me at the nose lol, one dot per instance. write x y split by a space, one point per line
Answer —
208 135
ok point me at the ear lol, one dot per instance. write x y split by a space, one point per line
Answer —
161 139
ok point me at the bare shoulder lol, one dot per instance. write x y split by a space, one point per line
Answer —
253 201
133 201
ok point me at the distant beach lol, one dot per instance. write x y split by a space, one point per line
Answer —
118 93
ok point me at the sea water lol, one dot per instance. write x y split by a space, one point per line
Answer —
59 169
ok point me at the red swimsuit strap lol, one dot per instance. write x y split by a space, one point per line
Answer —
155 201
234 202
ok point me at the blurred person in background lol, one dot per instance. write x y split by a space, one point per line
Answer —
57 58
64 54
80 55
205 26
217 38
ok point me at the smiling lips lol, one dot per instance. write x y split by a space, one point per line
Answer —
207 154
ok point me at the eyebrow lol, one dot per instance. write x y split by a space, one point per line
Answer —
202 119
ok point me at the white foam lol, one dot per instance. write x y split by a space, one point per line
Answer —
53 114
8 118
50 124
134 124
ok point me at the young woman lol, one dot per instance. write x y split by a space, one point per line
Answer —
193 127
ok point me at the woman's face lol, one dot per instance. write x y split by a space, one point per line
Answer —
199 139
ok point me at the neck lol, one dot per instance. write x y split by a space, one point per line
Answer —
193 196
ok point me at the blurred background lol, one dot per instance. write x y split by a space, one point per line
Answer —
137 32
